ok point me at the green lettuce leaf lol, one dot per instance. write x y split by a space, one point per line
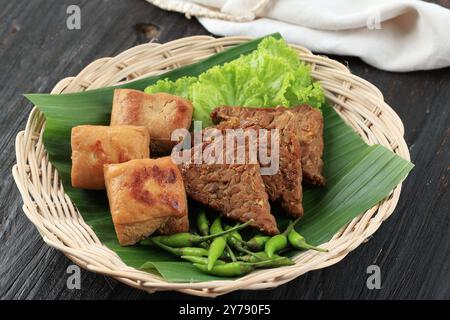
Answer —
270 76
180 87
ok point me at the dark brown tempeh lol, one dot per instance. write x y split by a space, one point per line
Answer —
309 123
237 191
286 184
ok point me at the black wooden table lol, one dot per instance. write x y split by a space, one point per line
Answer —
412 248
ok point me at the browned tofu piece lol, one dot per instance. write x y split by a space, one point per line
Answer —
175 225
237 191
285 184
143 195
160 113
94 146
309 124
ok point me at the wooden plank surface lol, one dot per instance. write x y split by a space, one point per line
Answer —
36 50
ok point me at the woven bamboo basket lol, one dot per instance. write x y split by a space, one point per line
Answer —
61 226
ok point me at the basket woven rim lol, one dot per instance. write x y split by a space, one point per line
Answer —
61 226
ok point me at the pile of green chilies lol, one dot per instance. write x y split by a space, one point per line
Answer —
223 252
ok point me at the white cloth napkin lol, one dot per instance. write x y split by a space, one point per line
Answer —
394 35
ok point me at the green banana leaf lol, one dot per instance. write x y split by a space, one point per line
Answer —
358 175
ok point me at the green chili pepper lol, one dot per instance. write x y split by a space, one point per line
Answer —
147 242
276 260
234 269
278 242
186 239
230 253
186 251
215 251
257 242
204 245
201 260
238 244
298 241
256 257
234 239
231 269
226 256
203 223
275 244
216 227
218 244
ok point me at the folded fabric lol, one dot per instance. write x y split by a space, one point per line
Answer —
393 35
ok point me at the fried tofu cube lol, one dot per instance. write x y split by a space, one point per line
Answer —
175 225
160 113
143 195
94 146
